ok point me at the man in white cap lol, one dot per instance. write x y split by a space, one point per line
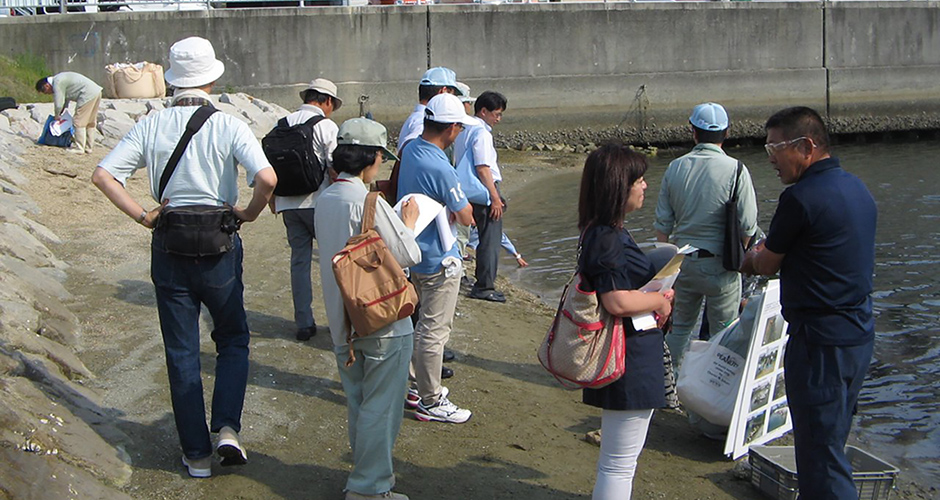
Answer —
196 253
69 86
426 170
375 382
320 101
691 209
435 81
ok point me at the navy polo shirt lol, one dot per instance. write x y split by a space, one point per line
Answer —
825 226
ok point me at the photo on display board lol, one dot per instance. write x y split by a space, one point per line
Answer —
778 416
766 363
773 330
755 427
780 387
760 396
783 355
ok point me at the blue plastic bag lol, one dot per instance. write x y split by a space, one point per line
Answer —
470 184
62 141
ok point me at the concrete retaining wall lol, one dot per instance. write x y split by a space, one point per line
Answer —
561 65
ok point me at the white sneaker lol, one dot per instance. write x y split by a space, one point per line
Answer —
352 495
230 449
198 467
412 398
442 411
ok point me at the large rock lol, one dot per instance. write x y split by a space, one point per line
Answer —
30 278
17 242
40 111
16 114
114 125
133 109
5 124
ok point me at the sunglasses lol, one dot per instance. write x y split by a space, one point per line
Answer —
777 146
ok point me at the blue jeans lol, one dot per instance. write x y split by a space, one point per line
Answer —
375 388
182 285
300 236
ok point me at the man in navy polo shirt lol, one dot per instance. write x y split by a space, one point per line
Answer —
822 241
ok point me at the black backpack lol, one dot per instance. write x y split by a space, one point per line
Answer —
7 103
290 151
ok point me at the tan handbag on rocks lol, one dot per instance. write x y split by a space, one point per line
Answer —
373 285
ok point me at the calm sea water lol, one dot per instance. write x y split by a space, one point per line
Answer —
898 418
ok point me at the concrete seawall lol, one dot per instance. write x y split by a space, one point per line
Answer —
870 66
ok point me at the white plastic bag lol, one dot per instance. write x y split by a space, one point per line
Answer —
62 125
711 370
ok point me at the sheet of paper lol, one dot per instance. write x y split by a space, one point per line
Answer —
663 281
62 125
428 210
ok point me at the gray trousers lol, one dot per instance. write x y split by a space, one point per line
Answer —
438 295
487 254
300 236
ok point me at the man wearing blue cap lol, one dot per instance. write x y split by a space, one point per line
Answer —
435 81
691 209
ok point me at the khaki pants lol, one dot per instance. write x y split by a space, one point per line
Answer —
86 116
438 295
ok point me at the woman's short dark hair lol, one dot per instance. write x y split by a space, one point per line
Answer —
800 121
41 83
609 173
353 159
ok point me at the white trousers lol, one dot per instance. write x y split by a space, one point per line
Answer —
623 434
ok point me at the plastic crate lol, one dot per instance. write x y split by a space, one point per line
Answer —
773 471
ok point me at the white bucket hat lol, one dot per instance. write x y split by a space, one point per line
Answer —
193 63
324 86
447 108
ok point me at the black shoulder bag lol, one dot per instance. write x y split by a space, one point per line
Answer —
733 254
195 230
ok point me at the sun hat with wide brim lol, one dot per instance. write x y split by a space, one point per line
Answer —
324 86
365 132
193 63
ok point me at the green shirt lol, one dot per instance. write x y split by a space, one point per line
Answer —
693 194
69 86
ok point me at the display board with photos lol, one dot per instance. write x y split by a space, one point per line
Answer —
761 413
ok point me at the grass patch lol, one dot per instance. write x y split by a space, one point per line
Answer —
18 78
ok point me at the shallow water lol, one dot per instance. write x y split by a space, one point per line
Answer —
898 418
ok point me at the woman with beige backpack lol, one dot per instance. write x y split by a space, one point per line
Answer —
373 366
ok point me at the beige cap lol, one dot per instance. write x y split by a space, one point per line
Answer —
324 86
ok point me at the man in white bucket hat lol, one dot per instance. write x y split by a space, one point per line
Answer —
196 253
320 100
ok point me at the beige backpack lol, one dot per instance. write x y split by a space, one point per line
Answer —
373 285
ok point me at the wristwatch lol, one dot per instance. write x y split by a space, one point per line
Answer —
141 217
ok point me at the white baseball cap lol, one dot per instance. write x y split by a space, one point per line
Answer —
193 63
324 86
463 93
447 108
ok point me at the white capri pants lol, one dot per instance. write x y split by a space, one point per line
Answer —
623 434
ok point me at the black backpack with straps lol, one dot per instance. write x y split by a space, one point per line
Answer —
290 151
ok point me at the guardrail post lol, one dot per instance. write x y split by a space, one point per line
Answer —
62 9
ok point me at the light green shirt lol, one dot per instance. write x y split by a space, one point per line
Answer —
693 194
69 86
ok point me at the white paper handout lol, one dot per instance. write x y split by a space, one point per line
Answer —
62 125
663 281
428 211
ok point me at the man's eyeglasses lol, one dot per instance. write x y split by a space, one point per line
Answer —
777 146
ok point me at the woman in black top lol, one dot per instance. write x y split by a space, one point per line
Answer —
612 265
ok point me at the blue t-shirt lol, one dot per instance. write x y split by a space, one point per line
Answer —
825 226
425 169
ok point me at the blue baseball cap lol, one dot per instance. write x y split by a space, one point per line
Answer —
709 116
439 77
